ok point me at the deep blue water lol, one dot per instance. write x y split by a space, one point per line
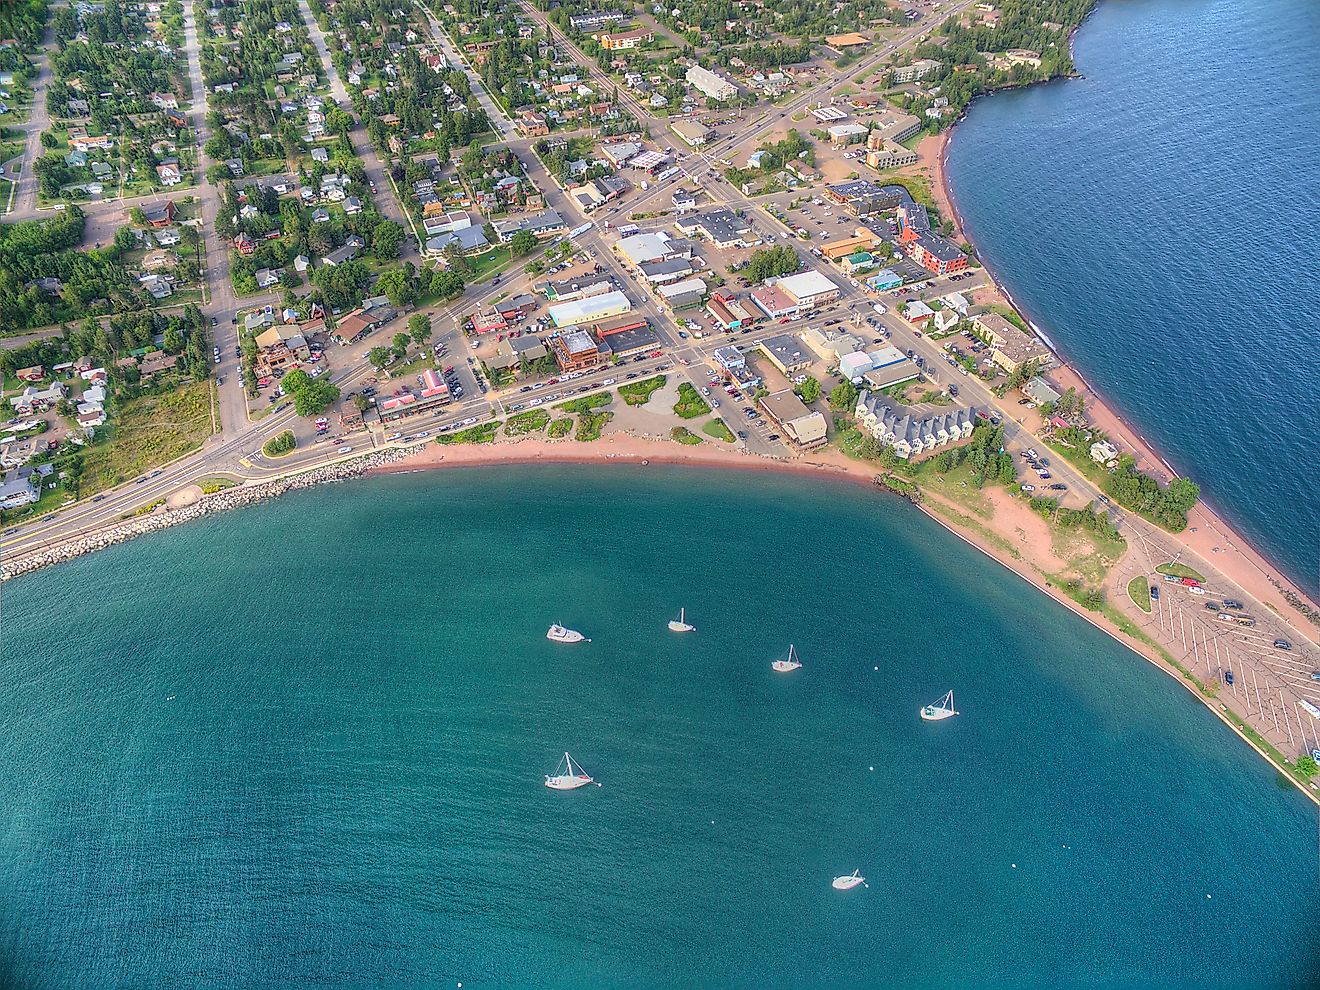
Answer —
1159 220
302 746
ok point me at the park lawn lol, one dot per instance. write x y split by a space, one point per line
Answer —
481 433
591 424
1181 571
690 404
718 430
586 403
685 436
486 265
531 421
1138 590
639 393
146 432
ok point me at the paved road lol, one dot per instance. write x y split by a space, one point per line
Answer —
25 186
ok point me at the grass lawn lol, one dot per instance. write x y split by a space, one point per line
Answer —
481 433
639 393
716 428
683 435
590 425
690 404
1138 590
1181 571
148 431
486 265
560 428
531 421
586 403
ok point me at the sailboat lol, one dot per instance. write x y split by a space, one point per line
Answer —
561 634
681 624
850 881
940 710
568 776
792 663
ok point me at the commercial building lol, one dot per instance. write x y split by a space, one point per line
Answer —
582 287
728 310
885 278
625 40
913 221
862 197
666 270
432 394
591 310
787 353
842 135
894 126
682 295
710 84
641 248
774 301
545 224
800 424
936 254
513 351
575 350
632 341
908 435
693 132
808 289
1039 391
862 239
723 228
890 155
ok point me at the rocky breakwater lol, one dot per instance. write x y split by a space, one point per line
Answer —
78 544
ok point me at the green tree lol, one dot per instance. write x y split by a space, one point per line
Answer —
385 240
401 342
419 325
523 242
379 357
843 396
1307 766
310 395
809 390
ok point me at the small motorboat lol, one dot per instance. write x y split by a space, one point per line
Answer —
562 634
568 776
850 881
790 664
942 709
681 624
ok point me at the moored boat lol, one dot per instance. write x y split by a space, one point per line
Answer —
789 664
568 776
850 881
941 709
681 624
562 634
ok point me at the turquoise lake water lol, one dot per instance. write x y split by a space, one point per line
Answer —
303 746
1158 220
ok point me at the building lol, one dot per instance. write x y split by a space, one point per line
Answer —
829 114
625 40
862 197
641 248
710 84
693 132
279 347
1039 391
937 254
513 351
683 200
809 289
787 353
894 125
801 425
545 224
575 350
18 490
682 295
916 71
728 310
862 239
582 287
1104 452
723 228
913 221
1010 347
885 278
730 358
910 436
666 270
774 301
631 341
596 21
842 135
592 310
918 313
890 155
160 214
430 395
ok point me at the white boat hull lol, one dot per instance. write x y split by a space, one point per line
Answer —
937 714
848 882
567 783
785 666
562 635
676 626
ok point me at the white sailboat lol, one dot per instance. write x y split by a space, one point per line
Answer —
850 881
568 776
790 664
681 624
561 634
941 709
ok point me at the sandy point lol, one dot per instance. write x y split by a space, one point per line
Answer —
184 497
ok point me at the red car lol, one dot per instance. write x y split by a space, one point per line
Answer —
1191 582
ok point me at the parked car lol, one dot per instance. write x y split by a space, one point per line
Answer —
1282 644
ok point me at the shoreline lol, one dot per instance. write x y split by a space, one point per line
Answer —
1105 414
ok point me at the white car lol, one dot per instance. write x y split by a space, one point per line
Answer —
1197 590
345 449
